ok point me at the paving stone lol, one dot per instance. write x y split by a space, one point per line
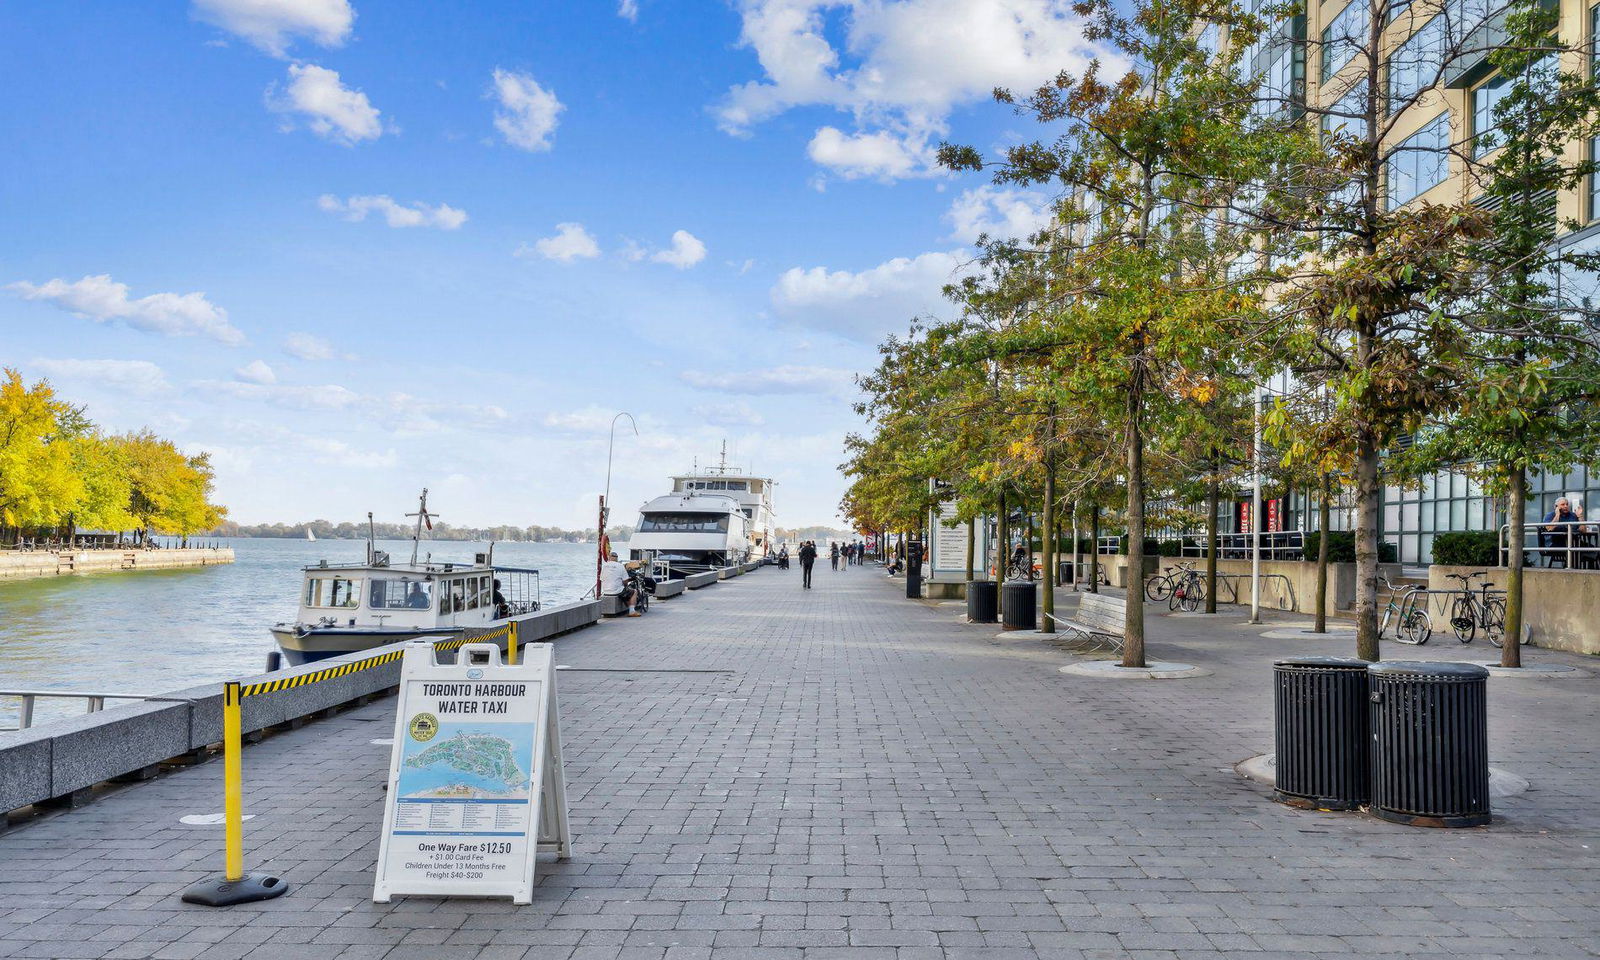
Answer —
867 780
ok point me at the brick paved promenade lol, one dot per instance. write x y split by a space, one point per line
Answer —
871 779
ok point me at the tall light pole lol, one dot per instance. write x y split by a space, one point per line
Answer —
1255 506
611 447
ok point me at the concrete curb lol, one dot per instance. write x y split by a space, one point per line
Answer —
1154 670
1263 769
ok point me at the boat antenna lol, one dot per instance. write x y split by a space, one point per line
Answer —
372 547
423 517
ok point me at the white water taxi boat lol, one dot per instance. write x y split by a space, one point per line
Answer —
349 607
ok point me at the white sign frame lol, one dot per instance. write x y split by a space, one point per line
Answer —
504 866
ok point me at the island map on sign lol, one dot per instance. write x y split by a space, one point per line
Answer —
487 762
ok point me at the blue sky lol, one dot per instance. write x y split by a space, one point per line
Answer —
355 248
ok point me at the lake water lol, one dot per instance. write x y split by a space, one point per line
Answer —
165 629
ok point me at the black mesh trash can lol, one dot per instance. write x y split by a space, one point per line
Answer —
1430 743
1019 607
983 601
1321 733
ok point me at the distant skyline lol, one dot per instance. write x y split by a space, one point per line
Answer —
353 249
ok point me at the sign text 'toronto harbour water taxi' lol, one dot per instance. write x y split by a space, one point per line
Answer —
354 606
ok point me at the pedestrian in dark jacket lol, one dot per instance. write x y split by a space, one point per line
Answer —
808 556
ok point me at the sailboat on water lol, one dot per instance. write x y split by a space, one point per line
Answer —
310 536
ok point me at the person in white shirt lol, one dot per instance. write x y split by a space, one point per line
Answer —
615 582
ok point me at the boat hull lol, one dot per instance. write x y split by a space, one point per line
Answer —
301 647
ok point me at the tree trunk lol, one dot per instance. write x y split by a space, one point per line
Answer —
1516 521
1213 495
972 544
1002 553
1094 548
1047 583
1133 623
1324 521
1369 503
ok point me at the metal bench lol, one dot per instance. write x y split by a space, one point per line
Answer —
1099 617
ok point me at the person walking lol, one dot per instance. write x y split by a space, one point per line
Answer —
833 553
808 556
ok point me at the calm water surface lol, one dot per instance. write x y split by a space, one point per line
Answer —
164 629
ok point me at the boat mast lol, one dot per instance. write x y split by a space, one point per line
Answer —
422 516
372 547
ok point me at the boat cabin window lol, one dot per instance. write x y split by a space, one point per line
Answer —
333 592
400 595
683 523
453 596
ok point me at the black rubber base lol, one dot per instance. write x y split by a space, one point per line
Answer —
1315 803
221 892
1423 820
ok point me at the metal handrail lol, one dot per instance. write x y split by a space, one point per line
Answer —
95 701
1537 531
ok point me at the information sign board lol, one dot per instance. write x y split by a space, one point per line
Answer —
475 783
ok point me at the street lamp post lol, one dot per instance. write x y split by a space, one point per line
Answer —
1255 507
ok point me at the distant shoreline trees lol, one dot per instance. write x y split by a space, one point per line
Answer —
59 473
326 530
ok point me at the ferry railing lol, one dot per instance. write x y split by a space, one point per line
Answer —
1576 543
95 702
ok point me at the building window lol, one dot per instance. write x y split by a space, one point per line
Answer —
1414 66
1484 99
1419 163
1342 37
1349 113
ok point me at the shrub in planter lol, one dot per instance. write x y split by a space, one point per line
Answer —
1152 548
1172 548
1341 546
1467 548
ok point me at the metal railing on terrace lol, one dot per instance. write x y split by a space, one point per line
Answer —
1573 544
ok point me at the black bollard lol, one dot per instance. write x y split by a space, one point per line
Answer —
913 571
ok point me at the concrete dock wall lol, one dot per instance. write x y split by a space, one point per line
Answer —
63 760
19 565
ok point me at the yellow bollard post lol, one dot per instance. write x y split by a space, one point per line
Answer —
232 785
234 886
511 643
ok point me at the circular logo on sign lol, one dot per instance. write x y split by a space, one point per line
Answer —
474 674
423 727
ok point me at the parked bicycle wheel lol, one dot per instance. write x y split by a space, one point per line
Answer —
1415 627
1463 619
1158 588
1494 620
1193 593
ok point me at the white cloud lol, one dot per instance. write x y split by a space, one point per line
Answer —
528 112
256 371
899 69
883 155
998 212
570 243
324 396
414 214
773 380
103 299
731 413
628 10
330 451
273 24
139 377
866 304
686 251
332 110
306 346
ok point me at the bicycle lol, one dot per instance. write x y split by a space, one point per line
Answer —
1188 591
1470 610
1160 586
1412 624
1020 569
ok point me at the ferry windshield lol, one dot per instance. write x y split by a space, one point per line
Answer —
400 595
683 523
333 592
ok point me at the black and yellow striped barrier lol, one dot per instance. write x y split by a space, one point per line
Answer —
236 886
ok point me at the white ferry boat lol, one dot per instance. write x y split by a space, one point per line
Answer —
349 607
712 517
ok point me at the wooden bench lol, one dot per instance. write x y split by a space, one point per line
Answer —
1099 617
